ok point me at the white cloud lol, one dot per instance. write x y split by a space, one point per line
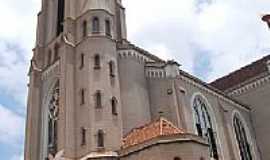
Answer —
230 32
17 157
11 127
13 71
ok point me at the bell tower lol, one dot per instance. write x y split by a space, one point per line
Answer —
74 103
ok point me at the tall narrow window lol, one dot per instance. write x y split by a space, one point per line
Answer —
114 106
242 140
56 52
81 61
53 111
112 68
95 25
108 28
97 61
98 99
83 134
204 125
49 58
84 28
100 139
60 16
82 96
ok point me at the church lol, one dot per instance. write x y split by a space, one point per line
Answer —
93 95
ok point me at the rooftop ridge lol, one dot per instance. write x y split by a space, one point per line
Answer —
243 74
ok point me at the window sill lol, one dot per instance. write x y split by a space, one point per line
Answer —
100 149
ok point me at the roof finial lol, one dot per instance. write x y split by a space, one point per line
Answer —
266 18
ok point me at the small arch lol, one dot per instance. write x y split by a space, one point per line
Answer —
177 158
82 96
84 29
83 136
49 57
97 61
100 139
114 106
95 25
112 68
108 28
98 99
82 61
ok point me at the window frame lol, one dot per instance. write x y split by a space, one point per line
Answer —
244 144
100 139
204 123
97 61
84 29
95 25
108 28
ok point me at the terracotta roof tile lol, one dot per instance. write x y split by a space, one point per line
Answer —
246 73
161 127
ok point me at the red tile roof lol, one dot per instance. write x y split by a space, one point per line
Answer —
161 127
246 73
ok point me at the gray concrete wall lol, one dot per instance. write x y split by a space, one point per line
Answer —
134 93
259 100
163 103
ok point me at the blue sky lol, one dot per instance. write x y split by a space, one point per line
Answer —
210 38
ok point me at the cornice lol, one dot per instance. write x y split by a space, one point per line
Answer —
250 85
208 89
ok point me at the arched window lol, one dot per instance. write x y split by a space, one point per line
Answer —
53 111
204 125
98 99
112 68
242 140
95 25
84 28
83 134
97 61
49 58
100 139
108 28
114 106
81 61
82 96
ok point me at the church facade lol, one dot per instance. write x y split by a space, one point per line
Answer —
94 95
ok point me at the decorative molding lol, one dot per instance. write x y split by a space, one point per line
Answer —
66 39
54 69
209 91
131 53
34 65
155 73
249 86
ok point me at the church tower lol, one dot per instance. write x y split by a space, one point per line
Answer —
74 103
